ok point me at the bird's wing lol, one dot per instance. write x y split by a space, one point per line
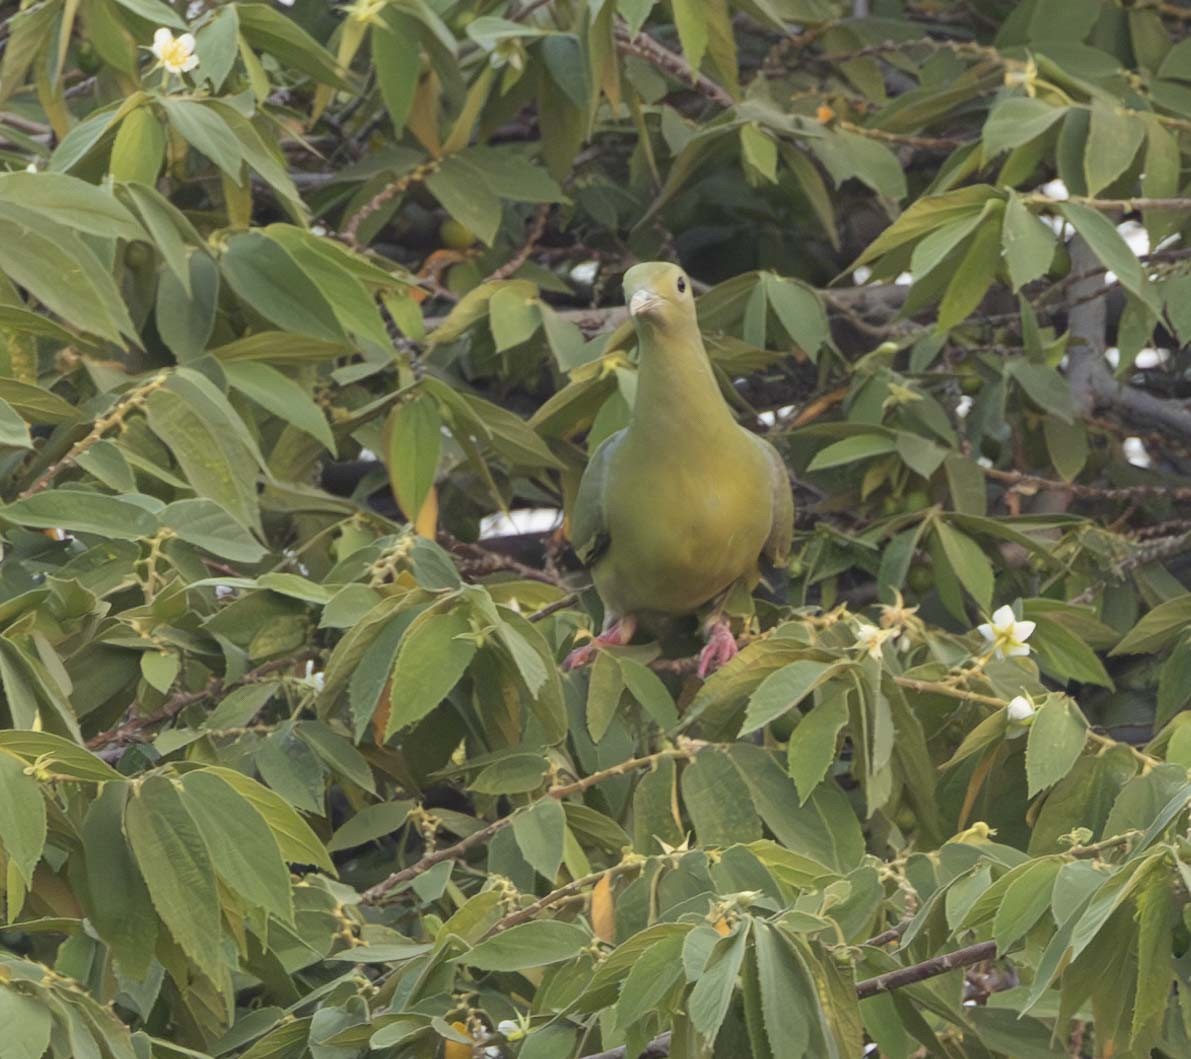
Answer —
781 533
589 523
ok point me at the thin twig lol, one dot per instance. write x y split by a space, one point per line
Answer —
685 750
1127 492
645 47
536 228
129 730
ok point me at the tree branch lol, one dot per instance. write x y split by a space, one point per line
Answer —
685 750
659 1047
645 47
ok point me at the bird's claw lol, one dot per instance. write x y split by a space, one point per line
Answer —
616 635
721 648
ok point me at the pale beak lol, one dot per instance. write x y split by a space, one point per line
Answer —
642 301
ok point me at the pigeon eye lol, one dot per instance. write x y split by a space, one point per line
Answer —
681 284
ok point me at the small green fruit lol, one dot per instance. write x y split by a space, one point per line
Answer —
456 236
920 578
915 500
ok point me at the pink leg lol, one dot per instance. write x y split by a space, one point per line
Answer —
721 647
617 634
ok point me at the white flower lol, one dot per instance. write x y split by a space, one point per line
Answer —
870 638
1020 709
317 680
176 54
31 167
1006 634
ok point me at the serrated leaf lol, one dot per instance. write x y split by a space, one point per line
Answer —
243 849
370 823
22 816
604 688
208 526
968 562
173 860
812 745
1114 138
540 832
434 653
784 689
718 801
1159 627
788 1000
711 997
298 844
413 445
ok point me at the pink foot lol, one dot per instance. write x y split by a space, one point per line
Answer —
721 647
615 635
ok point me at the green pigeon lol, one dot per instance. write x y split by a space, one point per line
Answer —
678 508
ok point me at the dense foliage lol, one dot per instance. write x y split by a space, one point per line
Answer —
295 298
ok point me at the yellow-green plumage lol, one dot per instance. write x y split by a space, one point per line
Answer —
680 506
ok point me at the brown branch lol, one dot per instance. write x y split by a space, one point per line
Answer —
1128 492
645 47
478 560
562 893
1131 205
125 733
659 1047
919 972
350 232
536 228
554 608
685 750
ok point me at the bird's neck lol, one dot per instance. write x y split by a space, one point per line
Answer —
677 391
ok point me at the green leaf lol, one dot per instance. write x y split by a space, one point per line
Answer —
540 832
1110 248
604 688
1025 900
395 51
27 1024
261 272
718 801
242 847
788 1000
784 689
690 19
1160 627
800 312
965 482
279 394
647 688
338 753
14 431
973 275
279 35
63 273
650 978
177 869
205 130
434 653
851 450
711 997
1158 913
62 756
370 823
1057 738
758 151
70 202
1114 138
472 203
208 526
1067 444
512 774
292 769
969 563
1044 386
160 669
298 844
1064 655
82 512
534 944
139 147
216 464
413 447
22 816
1029 245
115 896
1015 121
812 745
